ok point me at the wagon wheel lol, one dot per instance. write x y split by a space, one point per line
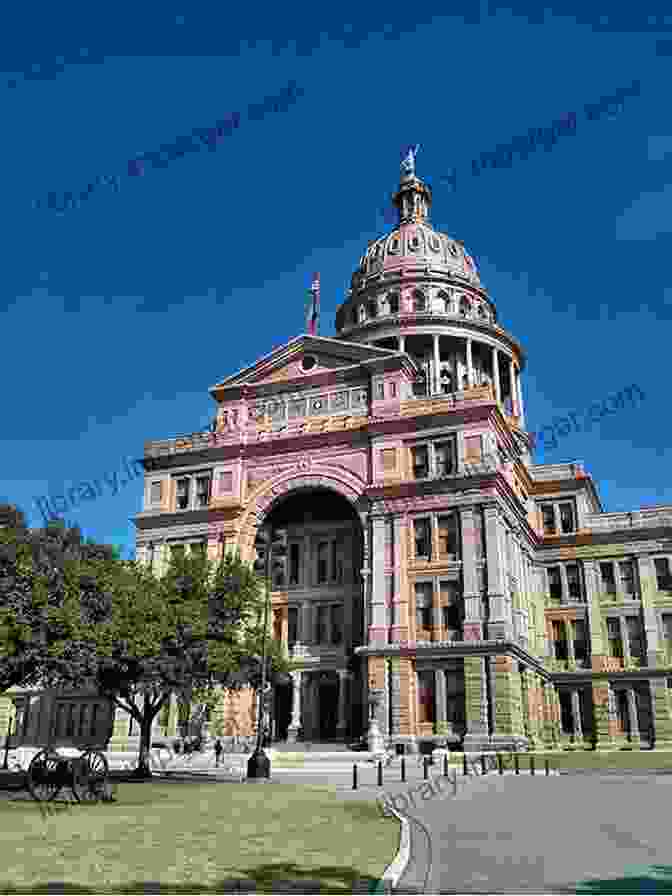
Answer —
44 776
90 774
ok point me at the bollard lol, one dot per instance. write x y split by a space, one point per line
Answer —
380 773
445 765
548 771
515 763
354 776
464 764
500 763
483 764
531 765
403 768
425 769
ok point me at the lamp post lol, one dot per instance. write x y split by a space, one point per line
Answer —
271 550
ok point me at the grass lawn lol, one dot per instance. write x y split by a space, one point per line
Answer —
193 838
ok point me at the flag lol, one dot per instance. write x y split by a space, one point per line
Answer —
313 306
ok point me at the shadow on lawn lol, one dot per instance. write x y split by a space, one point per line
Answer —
281 877
641 879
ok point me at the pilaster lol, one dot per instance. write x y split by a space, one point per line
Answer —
647 584
399 631
476 704
473 599
378 626
661 713
500 622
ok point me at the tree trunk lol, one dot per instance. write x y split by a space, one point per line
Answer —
144 770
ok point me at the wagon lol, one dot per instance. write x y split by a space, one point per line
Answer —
87 775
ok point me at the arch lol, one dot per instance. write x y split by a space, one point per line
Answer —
274 491
446 299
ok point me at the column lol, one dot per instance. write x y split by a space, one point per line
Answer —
576 716
495 374
437 365
647 583
521 410
470 366
632 715
553 734
570 640
378 628
342 724
624 638
440 699
512 382
402 343
473 599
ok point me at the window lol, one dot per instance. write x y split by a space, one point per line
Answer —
419 301
663 577
573 581
426 696
380 390
337 554
336 624
548 519
608 580
420 460
567 518
635 636
321 624
95 719
322 562
449 541
203 484
446 302
393 390
626 570
372 309
394 304
70 725
155 493
292 625
554 583
450 610
423 605
362 313
354 316
444 454
183 488
614 636
465 307
580 638
294 563
423 541
559 640
83 712
455 697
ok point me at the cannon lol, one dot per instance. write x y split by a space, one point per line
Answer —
87 776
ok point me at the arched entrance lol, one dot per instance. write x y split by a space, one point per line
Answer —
319 613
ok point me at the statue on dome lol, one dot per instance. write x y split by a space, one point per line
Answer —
408 162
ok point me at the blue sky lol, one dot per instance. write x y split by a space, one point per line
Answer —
117 316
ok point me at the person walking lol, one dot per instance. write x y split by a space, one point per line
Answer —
218 751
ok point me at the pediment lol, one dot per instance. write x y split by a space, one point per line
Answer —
303 357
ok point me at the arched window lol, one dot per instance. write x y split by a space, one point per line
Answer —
419 302
465 306
393 302
446 301
362 313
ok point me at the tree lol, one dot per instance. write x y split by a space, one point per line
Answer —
195 628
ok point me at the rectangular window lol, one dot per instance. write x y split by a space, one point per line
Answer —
155 493
554 583
380 390
292 625
626 569
203 487
337 564
423 604
336 624
635 636
322 562
573 581
426 696
183 493
423 540
420 460
321 624
663 577
580 633
450 610
294 563
455 704
559 640
608 579
83 713
449 542
548 519
393 390
614 636
567 518
444 455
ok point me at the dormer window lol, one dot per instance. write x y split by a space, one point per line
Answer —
419 301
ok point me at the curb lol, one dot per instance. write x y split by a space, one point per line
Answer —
399 863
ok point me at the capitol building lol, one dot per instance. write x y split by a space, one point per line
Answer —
438 579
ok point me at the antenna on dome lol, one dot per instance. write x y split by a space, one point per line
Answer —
313 307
